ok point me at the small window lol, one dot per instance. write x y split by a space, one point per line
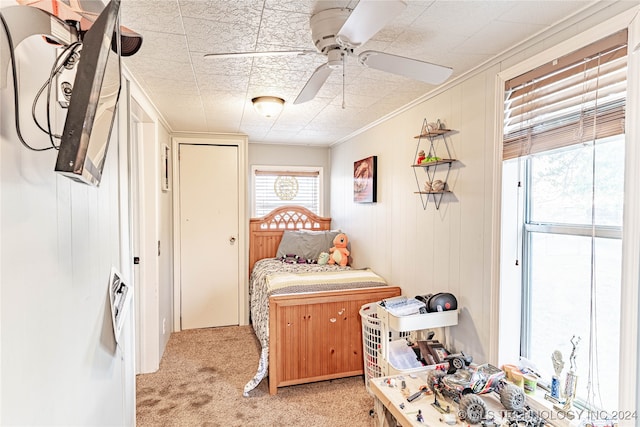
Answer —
275 186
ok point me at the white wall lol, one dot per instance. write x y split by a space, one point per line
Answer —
426 250
455 248
60 362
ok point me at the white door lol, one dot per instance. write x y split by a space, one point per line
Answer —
209 223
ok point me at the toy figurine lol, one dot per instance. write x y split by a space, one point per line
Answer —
421 157
419 417
572 358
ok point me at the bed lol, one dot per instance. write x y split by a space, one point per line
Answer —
306 316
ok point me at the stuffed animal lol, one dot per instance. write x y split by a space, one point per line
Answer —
323 258
421 157
289 259
339 254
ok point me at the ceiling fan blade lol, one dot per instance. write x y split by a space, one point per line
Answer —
369 17
258 54
412 68
309 91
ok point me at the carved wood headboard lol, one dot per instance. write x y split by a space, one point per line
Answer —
265 232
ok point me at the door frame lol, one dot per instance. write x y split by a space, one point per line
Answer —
240 141
143 207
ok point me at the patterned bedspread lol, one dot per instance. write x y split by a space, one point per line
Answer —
271 276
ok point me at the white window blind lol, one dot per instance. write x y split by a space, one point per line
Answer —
274 188
579 97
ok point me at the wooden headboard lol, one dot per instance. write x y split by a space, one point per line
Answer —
265 232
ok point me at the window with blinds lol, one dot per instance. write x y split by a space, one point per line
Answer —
579 97
564 144
286 186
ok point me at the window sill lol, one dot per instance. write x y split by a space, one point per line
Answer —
545 409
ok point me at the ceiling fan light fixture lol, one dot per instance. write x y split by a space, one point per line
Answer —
268 106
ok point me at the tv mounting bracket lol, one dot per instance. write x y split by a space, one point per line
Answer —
26 21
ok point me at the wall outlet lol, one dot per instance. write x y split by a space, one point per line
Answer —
164 326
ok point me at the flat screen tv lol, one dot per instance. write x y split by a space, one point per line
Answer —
92 107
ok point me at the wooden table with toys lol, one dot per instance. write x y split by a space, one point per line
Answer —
407 399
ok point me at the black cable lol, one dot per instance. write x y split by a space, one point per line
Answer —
54 70
15 88
48 109
70 50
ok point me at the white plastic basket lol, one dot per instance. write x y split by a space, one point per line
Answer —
371 341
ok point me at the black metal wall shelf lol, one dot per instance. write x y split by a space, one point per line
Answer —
432 166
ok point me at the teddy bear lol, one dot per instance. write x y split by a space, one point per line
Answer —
421 157
339 254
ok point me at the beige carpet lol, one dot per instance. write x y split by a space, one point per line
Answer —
202 375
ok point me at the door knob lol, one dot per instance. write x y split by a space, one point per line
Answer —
232 240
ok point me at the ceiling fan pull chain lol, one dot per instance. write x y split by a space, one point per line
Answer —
343 80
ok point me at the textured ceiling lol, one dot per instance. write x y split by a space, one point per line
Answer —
198 94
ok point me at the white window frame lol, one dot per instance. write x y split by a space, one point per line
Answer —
529 228
275 168
503 345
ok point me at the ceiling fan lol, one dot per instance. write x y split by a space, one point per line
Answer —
338 32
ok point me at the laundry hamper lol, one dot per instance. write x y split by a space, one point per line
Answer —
371 342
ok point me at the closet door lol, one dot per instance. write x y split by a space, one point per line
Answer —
209 253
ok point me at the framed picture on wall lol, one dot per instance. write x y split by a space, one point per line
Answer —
364 180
